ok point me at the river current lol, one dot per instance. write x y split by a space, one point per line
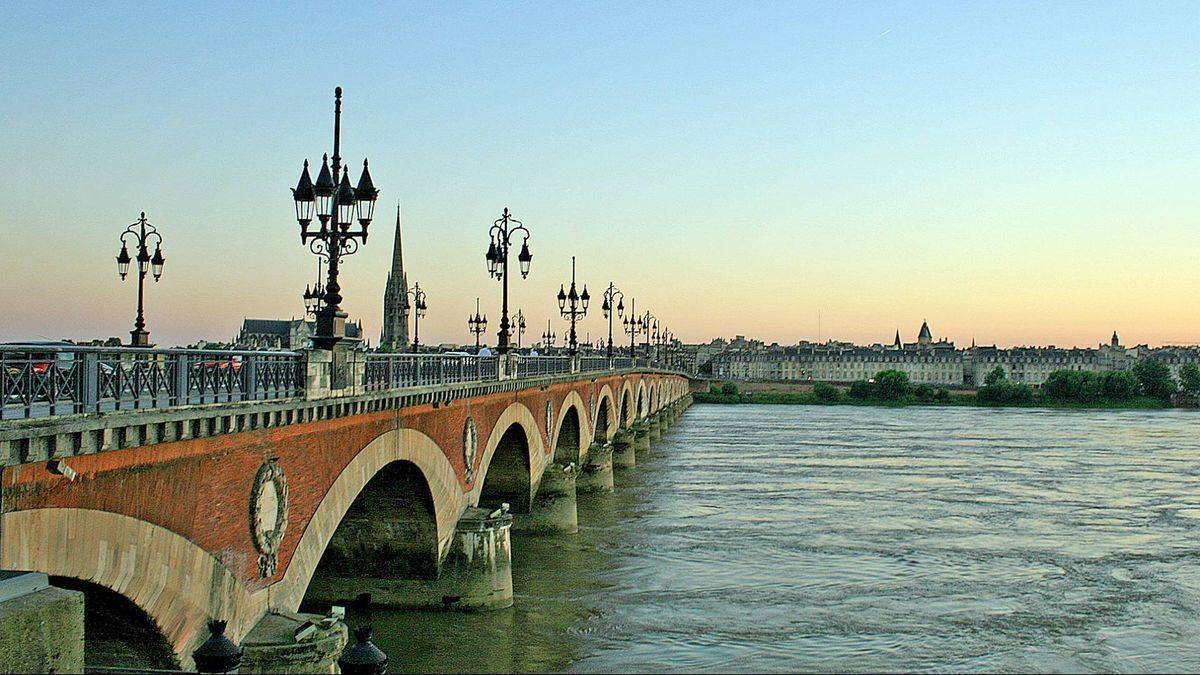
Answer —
785 538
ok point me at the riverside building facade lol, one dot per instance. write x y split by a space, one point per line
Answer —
927 361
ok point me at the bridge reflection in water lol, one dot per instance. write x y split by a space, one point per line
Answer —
319 475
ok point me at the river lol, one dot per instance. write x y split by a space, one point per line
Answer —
846 538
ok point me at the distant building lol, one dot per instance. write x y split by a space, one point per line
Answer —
395 299
929 361
284 333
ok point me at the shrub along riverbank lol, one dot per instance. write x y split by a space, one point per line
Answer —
1148 385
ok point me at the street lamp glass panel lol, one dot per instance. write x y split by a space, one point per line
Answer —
323 191
123 261
157 262
143 260
620 307
585 298
492 256
562 299
346 205
367 194
525 257
304 196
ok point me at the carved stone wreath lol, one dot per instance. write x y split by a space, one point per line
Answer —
470 447
268 514
549 420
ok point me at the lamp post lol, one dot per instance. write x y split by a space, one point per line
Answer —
548 338
500 240
649 322
633 326
609 296
314 293
573 306
418 306
477 324
519 325
337 206
141 233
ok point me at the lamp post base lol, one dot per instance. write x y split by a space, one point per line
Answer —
139 338
331 328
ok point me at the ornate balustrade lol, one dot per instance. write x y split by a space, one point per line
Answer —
38 380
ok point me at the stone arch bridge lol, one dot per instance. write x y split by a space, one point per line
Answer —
242 510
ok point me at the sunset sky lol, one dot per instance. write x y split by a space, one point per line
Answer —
1015 173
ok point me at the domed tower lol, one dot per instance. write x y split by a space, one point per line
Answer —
925 337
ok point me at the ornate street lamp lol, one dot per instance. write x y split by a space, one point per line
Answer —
573 306
633 326
519 325
314 293
141 233
649 325
418 308
548 338
500 240
338 206
610 296
477 324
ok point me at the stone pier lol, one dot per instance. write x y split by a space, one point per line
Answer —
475 575
654 428
597 473
641 436
554 508
41 627
624 455
289 643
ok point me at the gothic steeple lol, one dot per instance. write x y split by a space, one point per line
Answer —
395 298
897 344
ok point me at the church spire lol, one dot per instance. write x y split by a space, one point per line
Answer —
897 344
398 248
395 297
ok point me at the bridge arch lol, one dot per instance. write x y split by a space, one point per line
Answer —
628 411
572 434
179 585
398 445
607 418
642 402
513 458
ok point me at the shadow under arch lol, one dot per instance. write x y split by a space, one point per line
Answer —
572 434
627 413
119 633
388 532
503 436
508 478
412 447
606 418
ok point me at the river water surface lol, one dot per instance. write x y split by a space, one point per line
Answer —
843 538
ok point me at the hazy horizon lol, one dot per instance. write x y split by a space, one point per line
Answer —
1013 176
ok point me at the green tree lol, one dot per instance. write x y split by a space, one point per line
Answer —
825 392
1120 385
942 396
996 376
891 385
1155 378
729 389
1189 379
862 390
923 392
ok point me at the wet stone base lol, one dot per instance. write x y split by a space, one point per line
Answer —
476 574
554 508
597 473
41 631
285 643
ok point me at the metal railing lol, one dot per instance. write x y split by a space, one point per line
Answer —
38 380
589 364
44 380
396 371
535 366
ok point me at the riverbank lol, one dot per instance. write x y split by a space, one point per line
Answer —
947 399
